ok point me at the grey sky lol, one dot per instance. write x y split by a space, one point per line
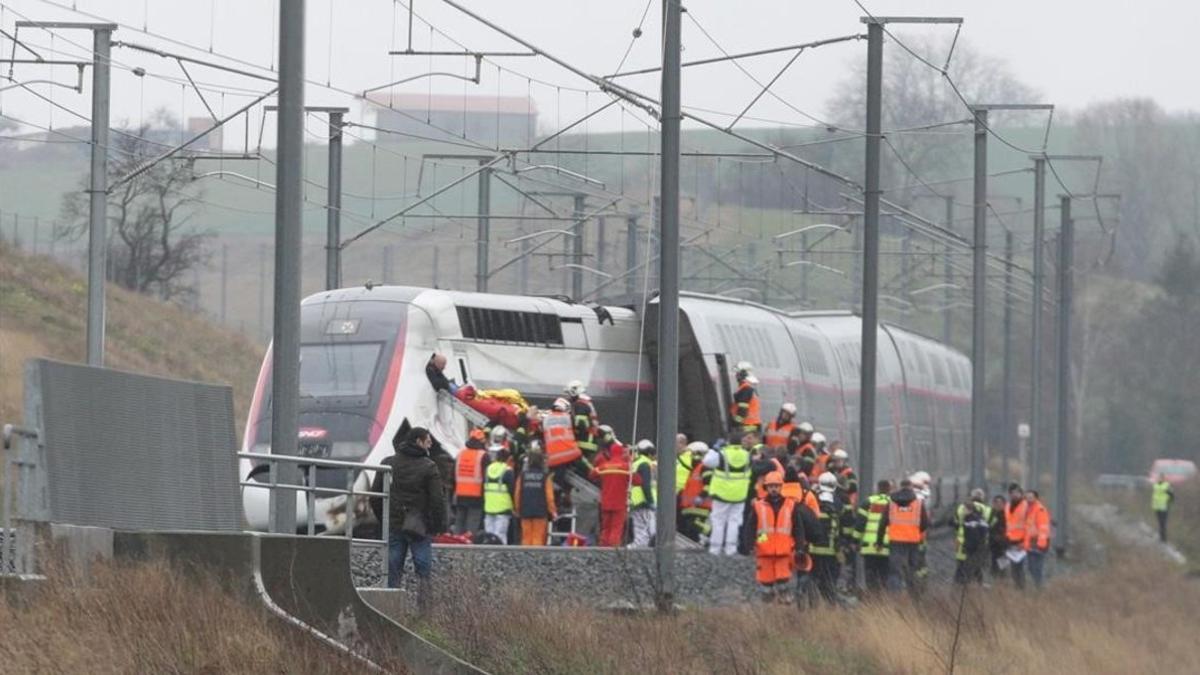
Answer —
1074 52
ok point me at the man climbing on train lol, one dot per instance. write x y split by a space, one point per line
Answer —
745 412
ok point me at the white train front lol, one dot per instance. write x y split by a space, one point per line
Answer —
364 351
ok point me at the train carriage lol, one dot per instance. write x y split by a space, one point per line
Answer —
364 352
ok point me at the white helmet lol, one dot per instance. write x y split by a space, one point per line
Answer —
575 388
789 408
697 446
920 479
744 367
818 438
841 454
805 427
562 405
828 480
645 446
498 434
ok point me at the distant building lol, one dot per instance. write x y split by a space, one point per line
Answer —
491 120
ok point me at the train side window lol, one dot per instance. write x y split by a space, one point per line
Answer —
939 370
955 377
501 325
812 356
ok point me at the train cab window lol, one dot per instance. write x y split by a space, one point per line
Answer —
501 325
340 369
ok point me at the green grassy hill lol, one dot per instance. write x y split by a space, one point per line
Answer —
43 314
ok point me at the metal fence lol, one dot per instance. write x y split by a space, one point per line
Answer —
312 491
23 502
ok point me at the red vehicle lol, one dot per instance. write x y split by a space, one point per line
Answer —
1176 471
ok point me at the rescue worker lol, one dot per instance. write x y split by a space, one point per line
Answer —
872 537
998 537
695 504
822 542
1161 497
906 521
529 430
847 480
729 488
584 418
683 463
762 462
499 436
920 482
820 456
1014 522
972 521
780 541
535 497
745 412
558 438
611 471
498 486
805 450
781 432
643 496
1037 536
468 484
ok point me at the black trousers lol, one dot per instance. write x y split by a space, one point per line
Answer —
825 573
1162 524
875 572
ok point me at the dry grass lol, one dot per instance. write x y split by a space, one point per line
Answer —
149 618
1135 615
43 314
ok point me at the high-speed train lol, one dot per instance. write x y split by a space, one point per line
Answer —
364 351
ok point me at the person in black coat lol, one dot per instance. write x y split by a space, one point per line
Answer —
416 505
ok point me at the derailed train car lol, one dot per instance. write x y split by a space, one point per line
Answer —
364 352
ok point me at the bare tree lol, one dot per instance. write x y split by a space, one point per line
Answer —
1150 159
917 95
152 242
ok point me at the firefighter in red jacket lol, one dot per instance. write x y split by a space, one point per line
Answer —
612 471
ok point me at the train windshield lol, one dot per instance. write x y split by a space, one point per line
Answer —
338 370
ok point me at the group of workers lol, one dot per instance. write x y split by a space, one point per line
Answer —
778 491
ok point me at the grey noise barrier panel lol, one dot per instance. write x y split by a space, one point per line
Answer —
130 451
303 580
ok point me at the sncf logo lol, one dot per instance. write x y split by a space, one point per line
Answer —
312 434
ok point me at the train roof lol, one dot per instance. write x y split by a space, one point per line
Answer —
390 293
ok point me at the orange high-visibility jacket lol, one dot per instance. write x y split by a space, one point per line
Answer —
904 523
695 488
777 435
558 431
819 465
753 416
1014 523
798 494
1037 527
468 473
774 530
